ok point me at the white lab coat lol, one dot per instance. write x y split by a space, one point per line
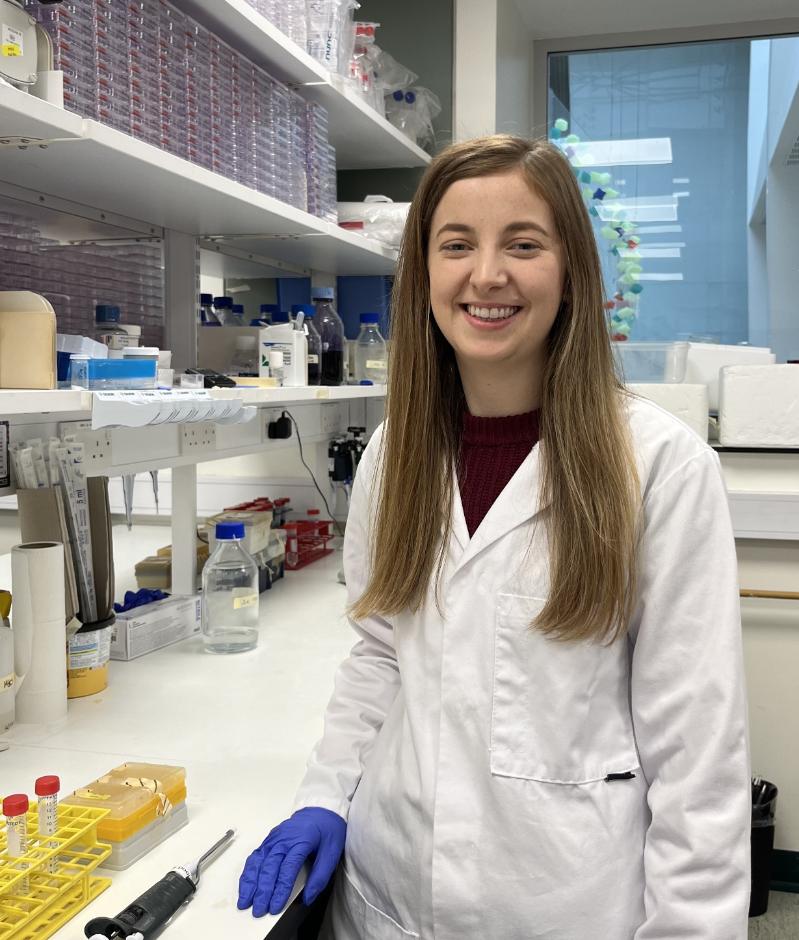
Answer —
470 754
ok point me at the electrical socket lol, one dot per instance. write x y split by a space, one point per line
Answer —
200 436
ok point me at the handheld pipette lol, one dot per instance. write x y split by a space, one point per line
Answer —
151 912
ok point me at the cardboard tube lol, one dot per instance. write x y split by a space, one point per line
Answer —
40 638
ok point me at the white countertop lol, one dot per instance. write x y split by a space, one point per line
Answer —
242 725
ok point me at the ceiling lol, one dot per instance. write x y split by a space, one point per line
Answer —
568 18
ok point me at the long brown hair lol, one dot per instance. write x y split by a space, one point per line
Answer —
588 483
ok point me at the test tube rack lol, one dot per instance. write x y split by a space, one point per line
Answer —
35 902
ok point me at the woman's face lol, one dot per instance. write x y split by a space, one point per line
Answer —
496 273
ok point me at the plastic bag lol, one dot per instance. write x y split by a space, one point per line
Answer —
412 112
330 32
377 217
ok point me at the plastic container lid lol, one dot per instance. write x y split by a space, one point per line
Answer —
132 807
398 96
106 313
238 308
206 300
222 303
47 786
322 293
280 316
314 512
269 308
15 805
410 97
370 318
230 530
140 352
131 329
275 358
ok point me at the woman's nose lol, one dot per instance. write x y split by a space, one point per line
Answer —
488 271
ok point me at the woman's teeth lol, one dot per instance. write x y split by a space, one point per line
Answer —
491 313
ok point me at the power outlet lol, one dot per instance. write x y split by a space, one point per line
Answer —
96 444
335 416
201 436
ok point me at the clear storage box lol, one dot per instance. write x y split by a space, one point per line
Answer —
650 362
110 374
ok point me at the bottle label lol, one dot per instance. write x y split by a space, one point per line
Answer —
313 359
245 600
375 363
6 682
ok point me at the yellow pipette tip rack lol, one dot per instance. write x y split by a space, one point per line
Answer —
35 902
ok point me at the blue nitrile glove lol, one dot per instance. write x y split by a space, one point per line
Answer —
271 870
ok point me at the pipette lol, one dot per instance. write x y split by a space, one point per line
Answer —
151 912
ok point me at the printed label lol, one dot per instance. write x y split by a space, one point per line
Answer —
6 682
245 600
90 650
5 475
11 44
313 359
375 363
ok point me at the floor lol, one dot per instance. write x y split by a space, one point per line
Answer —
781 922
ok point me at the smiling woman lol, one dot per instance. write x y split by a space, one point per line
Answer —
541 730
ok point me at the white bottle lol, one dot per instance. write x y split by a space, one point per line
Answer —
230 594
371 358
294 346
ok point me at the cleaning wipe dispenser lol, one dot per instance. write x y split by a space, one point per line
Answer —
39 629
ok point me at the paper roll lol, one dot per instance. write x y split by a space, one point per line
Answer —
40 638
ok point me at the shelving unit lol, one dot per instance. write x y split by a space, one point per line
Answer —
363 138
103 169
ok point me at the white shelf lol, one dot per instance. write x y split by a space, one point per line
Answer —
363 139
20 403
107 170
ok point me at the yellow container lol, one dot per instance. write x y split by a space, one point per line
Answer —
88 652
135 795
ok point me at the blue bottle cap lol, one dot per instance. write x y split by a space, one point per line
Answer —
206 300
257 322
322 293
366 382
410 97
106 313
397 96
370 318
308 309
280 316
269 308
230 530
238 308
223 303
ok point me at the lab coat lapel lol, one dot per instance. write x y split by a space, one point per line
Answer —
516 504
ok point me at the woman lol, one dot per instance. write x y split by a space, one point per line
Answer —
541 731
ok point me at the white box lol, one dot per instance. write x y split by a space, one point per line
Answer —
759 406
686 402
706 359
155 625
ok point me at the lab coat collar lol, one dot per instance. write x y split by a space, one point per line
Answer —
516 505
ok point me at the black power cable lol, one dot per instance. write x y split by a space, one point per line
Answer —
302 458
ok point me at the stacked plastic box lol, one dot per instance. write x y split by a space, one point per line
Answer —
149 70
74 278
290 17
320 165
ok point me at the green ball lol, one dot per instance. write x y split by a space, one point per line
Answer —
561 124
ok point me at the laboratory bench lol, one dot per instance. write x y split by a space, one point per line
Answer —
242 725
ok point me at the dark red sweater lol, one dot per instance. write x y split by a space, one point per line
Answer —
492 450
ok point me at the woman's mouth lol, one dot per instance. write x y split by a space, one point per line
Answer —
490 312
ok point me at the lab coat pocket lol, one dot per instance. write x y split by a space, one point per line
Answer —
560 711
351 917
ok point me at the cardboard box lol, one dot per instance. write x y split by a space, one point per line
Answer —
155 625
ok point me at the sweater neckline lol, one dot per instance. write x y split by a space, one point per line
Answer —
509 429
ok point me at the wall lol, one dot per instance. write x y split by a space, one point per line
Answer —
514 84
420 36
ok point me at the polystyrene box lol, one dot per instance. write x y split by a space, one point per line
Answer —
704 361
759 406
686 402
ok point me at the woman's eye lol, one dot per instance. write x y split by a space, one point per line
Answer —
525 247
455 247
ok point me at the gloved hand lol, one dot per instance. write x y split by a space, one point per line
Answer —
271 870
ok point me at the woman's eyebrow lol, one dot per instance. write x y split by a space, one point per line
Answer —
521 226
